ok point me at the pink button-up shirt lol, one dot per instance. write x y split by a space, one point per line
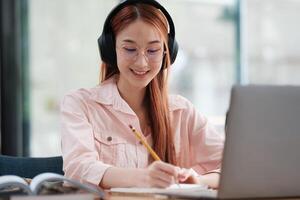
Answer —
95 134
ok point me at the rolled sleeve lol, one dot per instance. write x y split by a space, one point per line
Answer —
80 157
206 144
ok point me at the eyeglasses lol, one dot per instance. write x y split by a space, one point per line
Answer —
152 55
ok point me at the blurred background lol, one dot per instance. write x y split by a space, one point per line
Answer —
49 47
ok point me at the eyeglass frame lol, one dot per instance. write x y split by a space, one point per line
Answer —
138 52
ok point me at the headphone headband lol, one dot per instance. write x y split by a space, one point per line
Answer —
154 3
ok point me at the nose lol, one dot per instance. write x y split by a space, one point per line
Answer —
141 59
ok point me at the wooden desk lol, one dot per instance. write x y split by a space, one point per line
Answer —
121 196
116 196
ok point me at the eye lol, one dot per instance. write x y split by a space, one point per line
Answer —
129 49
153 51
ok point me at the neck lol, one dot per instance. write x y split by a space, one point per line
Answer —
133 96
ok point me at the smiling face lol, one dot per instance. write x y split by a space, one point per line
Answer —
140 51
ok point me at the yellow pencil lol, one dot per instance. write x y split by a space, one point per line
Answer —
144 142
150 150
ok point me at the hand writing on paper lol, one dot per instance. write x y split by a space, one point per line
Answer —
188 176
159 174
191 177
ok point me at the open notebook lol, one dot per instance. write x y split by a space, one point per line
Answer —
173 190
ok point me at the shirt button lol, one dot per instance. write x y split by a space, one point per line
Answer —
109 138
140 143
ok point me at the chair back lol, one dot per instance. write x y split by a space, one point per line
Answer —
29 167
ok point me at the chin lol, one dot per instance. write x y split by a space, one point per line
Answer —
141 84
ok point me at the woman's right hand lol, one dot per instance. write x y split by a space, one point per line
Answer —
158 174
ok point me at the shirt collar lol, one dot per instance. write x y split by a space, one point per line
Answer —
107 93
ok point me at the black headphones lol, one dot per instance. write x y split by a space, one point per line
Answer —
106 42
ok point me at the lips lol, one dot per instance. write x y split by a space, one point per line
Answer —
139 72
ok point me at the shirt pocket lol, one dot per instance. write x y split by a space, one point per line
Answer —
111 148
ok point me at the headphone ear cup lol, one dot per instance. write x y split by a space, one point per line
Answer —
173 49
100 47
107 50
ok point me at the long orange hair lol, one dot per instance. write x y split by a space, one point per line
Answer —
156 93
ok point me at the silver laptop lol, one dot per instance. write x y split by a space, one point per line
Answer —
262 148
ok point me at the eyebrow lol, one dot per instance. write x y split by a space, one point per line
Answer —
151 42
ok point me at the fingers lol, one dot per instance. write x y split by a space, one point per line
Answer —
162 174
167 168
183 174
188 176
159 179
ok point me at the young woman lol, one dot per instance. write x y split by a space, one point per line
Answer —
137 47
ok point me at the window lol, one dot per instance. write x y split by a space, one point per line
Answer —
273 42
204 69
63 56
